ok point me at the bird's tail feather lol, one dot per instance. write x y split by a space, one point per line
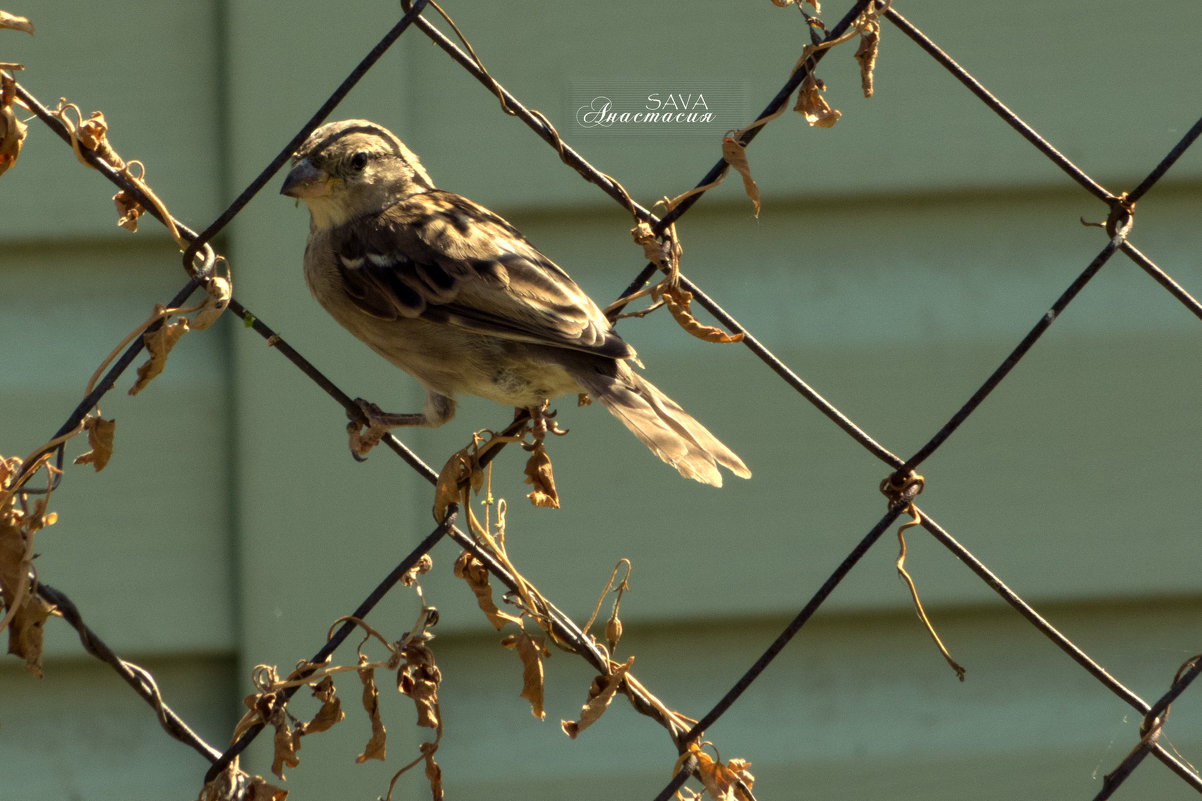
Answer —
668 430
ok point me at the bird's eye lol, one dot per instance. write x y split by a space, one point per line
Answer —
359 161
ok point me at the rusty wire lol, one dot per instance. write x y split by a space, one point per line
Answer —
1119 227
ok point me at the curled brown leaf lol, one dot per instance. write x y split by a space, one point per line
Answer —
811 105
128 211
460 470
14 23
532 651
468 568
23 612
538 473
734 153
600 693
93 134
25 632
330 711
433 771
100 440
726 781
159 343
260 790
870 42
419 678
371 704
233 783
12 130
677 300
421 567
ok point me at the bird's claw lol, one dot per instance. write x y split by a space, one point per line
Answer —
369 423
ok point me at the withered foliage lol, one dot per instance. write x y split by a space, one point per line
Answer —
734 153
470 569
870 44
233 784
664 251
159 343
531 650
12 130
813 106
330 711
100 440
417 676
600 693
24 612
729 781
538 474
677 299
375 748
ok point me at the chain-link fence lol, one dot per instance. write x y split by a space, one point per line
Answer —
30 483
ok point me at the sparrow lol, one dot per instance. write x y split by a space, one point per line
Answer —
457 297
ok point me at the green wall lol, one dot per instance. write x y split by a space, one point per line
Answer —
897 260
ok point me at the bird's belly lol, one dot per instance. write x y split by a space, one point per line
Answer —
451 361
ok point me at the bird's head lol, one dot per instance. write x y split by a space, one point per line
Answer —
350 168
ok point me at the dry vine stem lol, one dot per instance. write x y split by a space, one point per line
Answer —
904 491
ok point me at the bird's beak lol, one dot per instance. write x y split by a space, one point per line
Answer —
305 181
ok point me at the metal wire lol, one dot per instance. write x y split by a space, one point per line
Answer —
1119 227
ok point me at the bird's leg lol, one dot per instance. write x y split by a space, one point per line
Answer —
437 410
363 439
542 421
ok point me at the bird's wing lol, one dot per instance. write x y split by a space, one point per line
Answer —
442 258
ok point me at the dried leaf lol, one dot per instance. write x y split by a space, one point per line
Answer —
433 771
159 343
260 790
128 210
331 708
870 42
420 568
286 743
371 703
677 299
734 153
29 612
813 106
25 632
14 23
93 134
600 693
468 568
100 438
538 473
721 781
531 650
418 678
460 468
653 248
233 784
15 565
12 130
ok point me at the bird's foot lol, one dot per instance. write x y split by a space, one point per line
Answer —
542 422
364 437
